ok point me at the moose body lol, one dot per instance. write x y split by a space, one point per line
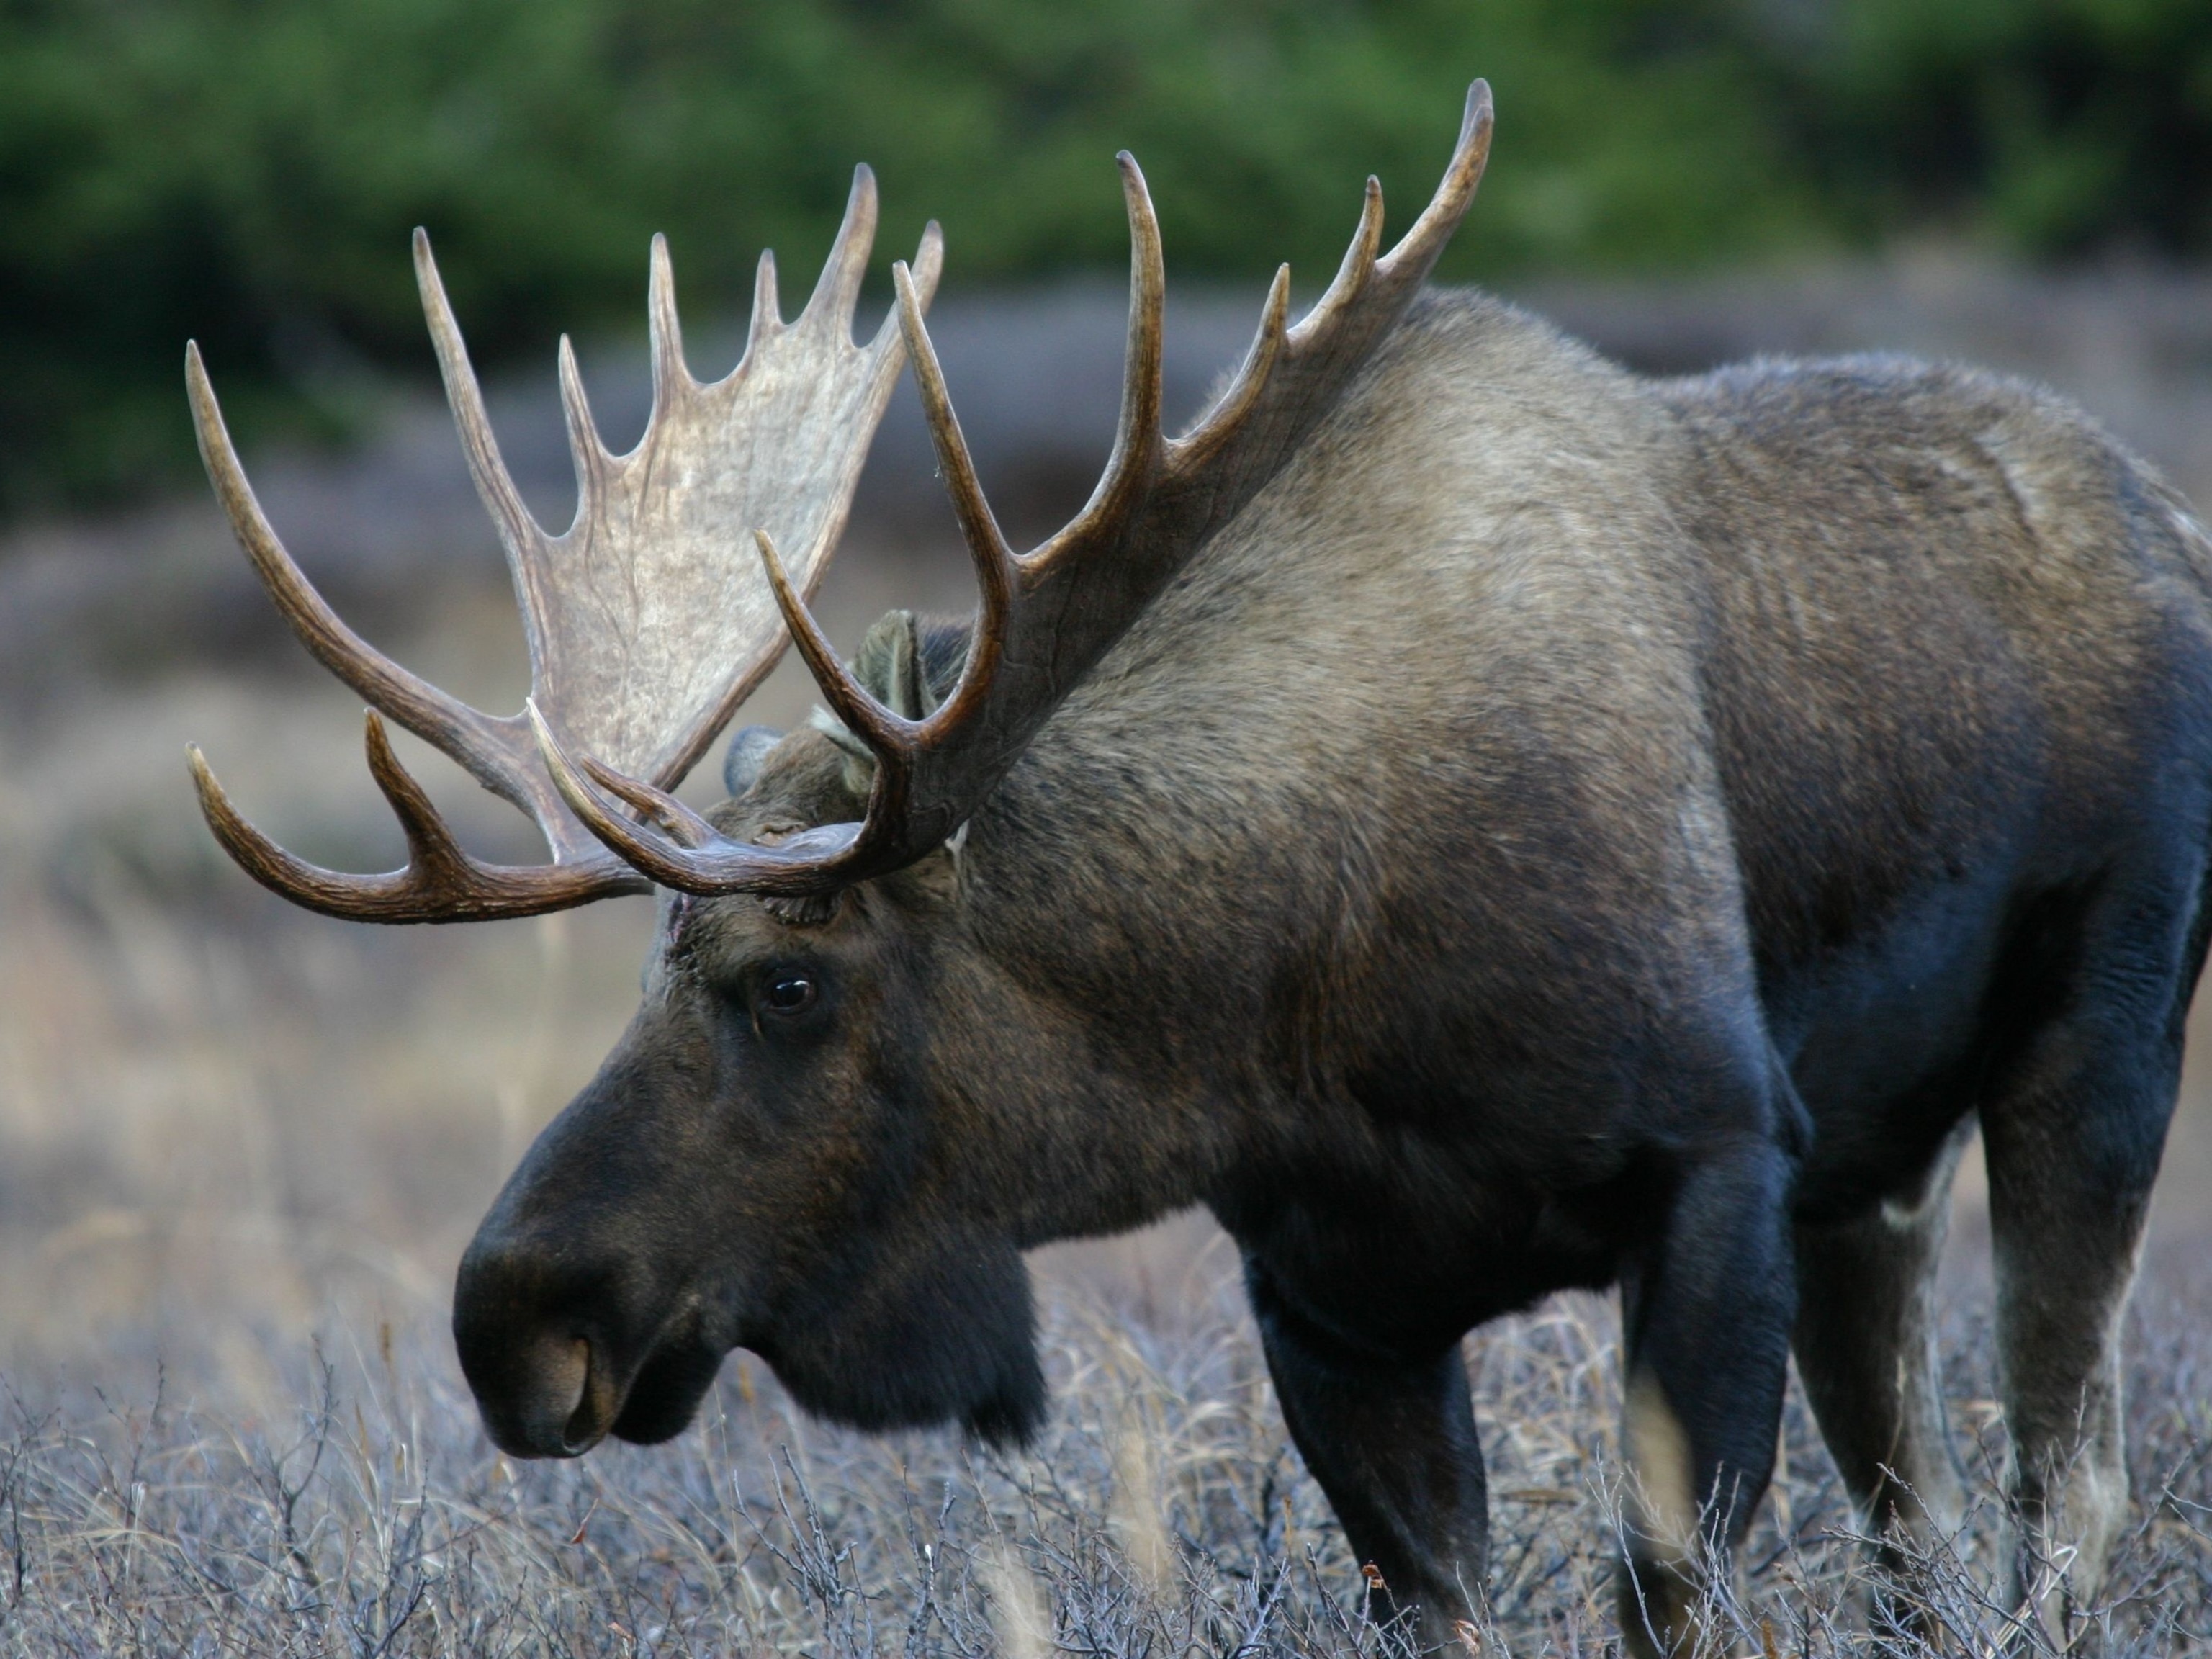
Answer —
1568 829
1558 828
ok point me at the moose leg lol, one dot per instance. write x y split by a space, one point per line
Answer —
1866 1352
1394 1445
2072 1132
1707 1311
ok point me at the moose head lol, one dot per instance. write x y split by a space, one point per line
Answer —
847 1103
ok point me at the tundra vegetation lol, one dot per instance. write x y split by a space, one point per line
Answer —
357 1509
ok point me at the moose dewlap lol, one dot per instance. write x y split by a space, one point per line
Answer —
1478 821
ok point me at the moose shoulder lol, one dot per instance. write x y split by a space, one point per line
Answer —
1478 821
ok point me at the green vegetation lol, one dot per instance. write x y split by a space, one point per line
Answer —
247 171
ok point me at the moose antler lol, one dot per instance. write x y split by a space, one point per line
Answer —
646 625
1048 615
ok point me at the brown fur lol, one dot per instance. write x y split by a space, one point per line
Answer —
1567 830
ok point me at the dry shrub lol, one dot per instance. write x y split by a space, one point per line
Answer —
374 1519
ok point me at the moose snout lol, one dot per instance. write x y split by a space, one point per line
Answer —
538 1351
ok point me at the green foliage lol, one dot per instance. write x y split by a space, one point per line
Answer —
247 171
2052 126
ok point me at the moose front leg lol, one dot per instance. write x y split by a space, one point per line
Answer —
1393 1444
1707 1310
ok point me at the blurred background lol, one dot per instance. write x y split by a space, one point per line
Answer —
221 1118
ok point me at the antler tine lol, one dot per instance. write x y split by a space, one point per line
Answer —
585 447
330 891
1418 248
412 701
1137 440
663 332
1231 409
996 567
837 290
518 528
928 265
768 316
1315 334
657 804
887 733
431 847
440 881
1353 275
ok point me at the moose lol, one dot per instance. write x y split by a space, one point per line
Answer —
1478 821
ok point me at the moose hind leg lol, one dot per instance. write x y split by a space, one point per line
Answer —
2073 1128
1708 1313
1866 1352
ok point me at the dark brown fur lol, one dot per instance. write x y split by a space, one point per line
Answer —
1568 829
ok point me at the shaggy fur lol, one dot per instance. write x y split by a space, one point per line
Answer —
1567 830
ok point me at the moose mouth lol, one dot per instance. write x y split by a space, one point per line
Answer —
665 1395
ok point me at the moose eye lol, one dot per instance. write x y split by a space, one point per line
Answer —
789 993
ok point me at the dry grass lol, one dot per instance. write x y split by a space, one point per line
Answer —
370 1518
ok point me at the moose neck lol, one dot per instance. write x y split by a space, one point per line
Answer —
1211 857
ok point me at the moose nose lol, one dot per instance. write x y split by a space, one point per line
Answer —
529 1354
549 1408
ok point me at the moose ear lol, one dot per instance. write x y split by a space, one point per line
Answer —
741 762
943 642
890 668
909 666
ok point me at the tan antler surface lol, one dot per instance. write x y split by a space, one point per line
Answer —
647 621
1048 615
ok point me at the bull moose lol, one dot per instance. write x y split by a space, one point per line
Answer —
1478 821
